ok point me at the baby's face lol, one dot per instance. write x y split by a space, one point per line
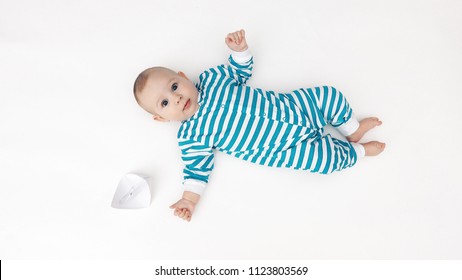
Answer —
169 96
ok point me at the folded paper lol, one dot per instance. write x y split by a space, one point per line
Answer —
132 192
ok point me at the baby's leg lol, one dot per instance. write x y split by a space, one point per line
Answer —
322 155
321 105
326 105
329 154
336 110
333 106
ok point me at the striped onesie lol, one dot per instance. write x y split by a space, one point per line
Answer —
264 127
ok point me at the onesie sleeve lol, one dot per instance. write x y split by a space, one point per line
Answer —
198 163
240 66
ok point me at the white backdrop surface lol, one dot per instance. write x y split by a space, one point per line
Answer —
70 128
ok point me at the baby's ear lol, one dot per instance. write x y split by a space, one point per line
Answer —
159 118
183 75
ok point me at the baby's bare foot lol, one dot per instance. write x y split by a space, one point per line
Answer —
364 126
373 148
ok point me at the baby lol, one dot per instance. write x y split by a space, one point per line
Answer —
274 129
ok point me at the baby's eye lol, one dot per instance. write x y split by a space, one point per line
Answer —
174 86
164 103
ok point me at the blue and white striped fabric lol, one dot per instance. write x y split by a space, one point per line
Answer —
264 127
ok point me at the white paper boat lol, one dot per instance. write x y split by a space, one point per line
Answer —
132 192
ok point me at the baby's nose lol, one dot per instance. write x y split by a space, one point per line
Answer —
178 98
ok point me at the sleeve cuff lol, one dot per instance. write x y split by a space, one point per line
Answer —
194 186
241 57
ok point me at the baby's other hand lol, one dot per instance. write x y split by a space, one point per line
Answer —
236 41
184 207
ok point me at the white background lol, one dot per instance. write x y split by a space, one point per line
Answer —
70 128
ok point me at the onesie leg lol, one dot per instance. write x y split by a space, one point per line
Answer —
330 154
323 155
335 109
327 105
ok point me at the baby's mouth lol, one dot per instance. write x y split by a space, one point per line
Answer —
186 106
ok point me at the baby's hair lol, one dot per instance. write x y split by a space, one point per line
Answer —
140 82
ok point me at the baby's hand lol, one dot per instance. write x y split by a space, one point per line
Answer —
236 41
184 207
